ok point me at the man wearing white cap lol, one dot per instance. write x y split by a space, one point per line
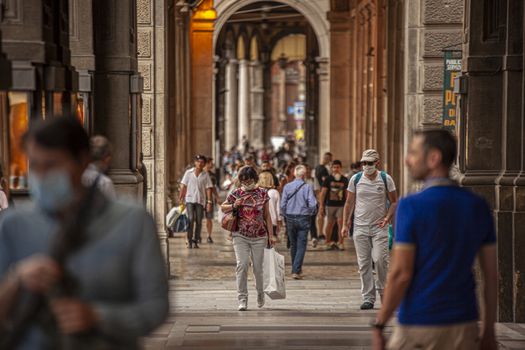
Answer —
372 199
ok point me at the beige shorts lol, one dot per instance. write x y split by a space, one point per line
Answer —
463 336
334 213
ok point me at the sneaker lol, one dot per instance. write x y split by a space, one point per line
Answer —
243 305
314 242
322 237
260 300
296 276
199 240
210 240
195 244
335 246
367 306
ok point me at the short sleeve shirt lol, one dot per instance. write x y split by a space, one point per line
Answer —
371 198
336 195
196 186
251 213
447 226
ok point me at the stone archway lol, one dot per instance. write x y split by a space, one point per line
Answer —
315 13
309 9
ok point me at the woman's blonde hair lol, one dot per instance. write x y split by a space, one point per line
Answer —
266 180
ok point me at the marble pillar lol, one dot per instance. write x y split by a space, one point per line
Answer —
323 73
256 104
116 64
244 100
230 109
340 98
201 48
283 115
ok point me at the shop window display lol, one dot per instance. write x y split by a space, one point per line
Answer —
18 124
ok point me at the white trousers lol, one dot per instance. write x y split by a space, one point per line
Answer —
371 245
246 249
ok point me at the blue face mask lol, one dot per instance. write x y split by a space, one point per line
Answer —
51 192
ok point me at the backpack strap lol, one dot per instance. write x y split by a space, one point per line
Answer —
358 177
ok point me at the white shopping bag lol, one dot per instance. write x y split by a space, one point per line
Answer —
273 274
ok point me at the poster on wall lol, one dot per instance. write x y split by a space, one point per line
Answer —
452 70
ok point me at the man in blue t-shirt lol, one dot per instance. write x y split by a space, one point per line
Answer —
439 233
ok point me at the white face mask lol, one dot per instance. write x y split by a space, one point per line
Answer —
369 169
249 187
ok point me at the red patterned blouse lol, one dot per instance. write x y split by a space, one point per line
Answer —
251 213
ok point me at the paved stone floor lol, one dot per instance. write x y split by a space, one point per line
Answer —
320 312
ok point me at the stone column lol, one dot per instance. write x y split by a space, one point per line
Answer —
283 116
244 100
323 73
491 148
230 110
340 97
179 115
116 62
257 104
201 49
152 63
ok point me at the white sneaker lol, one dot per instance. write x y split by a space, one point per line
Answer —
314 242
260 300
243 305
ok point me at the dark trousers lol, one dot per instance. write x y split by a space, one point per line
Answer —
298 227
195 214
313 227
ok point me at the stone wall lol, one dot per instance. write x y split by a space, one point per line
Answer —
430 27
151 19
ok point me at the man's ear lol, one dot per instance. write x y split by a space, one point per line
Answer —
434 158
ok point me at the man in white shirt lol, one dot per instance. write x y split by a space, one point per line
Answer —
101 154
196 192
372 198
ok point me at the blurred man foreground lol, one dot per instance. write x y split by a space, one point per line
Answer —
77 270
439 233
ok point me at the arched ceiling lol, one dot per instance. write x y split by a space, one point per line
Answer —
268 13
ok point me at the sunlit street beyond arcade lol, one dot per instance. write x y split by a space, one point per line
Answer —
320 312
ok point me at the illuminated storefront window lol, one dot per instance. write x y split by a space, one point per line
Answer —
18 123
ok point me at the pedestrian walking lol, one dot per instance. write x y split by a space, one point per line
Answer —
312 181
321 173
210 169
439 233
332 202
266 182
371 198
78 270
101 151
298 204
253 235
196 192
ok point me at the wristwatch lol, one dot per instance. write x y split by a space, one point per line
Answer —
374 323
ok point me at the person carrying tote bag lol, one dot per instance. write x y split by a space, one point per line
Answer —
251 237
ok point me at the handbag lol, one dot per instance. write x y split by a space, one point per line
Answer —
230 221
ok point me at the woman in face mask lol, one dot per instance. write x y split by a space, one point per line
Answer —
255 224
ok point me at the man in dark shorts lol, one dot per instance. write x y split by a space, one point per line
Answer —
332 201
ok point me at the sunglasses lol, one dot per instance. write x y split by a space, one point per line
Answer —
368 163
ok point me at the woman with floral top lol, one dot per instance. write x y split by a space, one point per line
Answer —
251 204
